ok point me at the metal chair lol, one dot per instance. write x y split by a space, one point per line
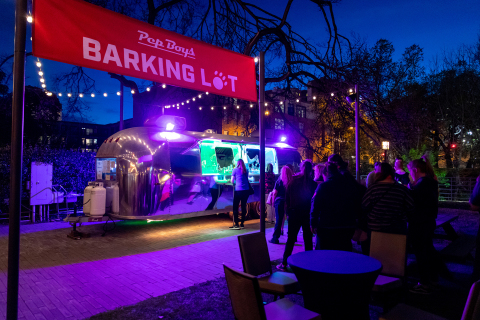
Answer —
256 262
247 301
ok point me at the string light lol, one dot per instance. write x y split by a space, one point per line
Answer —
118 93
224 108
69 95
238 107
80 95
206 93
44 85
133 91
42 80
60 94
199 108
188 101
29 19
93 95
193 98
251 105
211 108
148 88
105 94
164 86
40 73
39 64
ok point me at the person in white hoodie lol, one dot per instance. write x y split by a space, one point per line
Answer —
400 175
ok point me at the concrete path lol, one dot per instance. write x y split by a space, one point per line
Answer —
65 279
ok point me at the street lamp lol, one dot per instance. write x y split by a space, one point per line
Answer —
385 147
351 98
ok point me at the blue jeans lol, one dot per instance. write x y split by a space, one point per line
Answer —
279 214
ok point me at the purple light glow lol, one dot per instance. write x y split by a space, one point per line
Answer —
282 145
145 158
283 139
170 126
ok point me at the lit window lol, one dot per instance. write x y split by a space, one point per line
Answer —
225 133
279 124
280 108
301 112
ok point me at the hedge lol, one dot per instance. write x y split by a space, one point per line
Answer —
71 169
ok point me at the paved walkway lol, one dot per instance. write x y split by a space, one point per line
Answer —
65 279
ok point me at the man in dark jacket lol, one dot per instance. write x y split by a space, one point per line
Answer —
421 225
335 208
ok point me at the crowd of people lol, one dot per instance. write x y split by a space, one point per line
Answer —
327 201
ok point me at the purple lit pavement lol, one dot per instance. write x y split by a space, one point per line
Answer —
62 278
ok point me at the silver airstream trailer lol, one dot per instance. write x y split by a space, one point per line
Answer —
164 172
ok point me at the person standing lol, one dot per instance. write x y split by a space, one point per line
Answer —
215 191
475 205
400 175
285 178
240 194
334 210
318 169
298 197
269 184
371 176
424 190
386 205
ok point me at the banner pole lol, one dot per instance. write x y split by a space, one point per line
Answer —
16 159
121 106
261 116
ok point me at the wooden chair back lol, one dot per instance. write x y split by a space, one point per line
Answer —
472 307
254 252
391 250
245 295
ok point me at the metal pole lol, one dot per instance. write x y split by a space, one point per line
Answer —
261 115
357 134
121 106
15 201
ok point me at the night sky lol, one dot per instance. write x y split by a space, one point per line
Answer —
436 26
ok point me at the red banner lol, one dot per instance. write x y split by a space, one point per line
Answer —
79 33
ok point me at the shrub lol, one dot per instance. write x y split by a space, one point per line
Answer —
71 169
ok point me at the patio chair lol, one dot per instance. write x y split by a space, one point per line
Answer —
391 251
256 261
470 312
247 301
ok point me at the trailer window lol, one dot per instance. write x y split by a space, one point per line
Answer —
106 169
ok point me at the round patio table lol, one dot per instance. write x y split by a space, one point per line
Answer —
336 284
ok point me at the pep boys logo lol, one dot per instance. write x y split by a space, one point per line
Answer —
171 46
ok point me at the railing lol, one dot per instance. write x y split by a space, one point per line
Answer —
453 188
456 188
